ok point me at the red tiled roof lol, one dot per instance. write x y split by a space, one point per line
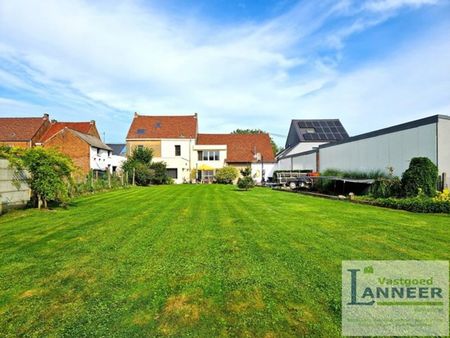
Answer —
163 127
82 127
20 128
241 147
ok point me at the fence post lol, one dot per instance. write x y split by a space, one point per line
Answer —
109 179
134 175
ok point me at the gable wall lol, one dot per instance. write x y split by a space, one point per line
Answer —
77 149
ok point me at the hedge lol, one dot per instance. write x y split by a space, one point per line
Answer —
414 204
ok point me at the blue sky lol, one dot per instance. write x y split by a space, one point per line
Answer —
238 64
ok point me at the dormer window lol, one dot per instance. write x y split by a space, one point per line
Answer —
140 131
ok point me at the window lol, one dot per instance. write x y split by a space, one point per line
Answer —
207 175
109 153
172 172
140 131
177 150
98 151
208 155
140 146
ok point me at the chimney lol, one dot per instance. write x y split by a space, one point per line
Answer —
136 114
46 116
92 122
54 121
195 115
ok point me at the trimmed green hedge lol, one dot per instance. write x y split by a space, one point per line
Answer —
414 204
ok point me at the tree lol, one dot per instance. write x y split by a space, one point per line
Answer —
48 173
275 147
226 175
246 181
139 163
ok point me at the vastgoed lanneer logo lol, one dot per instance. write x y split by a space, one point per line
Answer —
395 298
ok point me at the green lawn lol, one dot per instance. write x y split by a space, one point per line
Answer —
195 260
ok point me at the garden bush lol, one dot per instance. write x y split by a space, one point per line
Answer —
386 187
226 175
414 204
422 175
246 181
443 196
160 173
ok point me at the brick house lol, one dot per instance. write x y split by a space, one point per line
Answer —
175 140
78 140
24 132
81 142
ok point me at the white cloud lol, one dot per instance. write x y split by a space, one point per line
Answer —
388 5
108 58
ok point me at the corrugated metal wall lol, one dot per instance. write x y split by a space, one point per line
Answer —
394 149
379 152
444 148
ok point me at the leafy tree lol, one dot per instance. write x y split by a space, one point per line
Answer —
275 147
246 181
420 177
143 155
139 163
48 172
226 175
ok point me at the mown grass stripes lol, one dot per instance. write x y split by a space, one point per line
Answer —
195 260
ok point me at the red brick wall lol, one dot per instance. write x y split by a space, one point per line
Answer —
78 150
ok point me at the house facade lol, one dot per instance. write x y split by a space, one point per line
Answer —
190 155
119 155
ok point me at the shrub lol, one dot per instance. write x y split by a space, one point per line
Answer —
160 173
226 175
421 174
383 188
246 181
443 196
143 174
415 204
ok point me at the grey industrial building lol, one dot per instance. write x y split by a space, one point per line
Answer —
391 147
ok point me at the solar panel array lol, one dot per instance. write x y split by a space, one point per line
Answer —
325 130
